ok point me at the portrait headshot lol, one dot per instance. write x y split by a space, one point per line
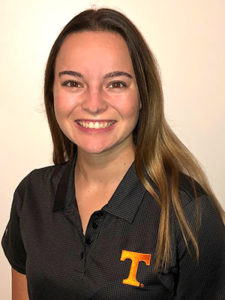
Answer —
113 150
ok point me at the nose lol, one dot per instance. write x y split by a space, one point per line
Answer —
94 102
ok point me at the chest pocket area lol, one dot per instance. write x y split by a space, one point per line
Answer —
139 282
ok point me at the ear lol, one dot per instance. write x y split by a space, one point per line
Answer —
140 105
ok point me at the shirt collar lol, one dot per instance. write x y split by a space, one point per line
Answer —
123 204
127 197
65 192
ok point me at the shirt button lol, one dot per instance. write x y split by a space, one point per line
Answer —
99 214
94 225
88 241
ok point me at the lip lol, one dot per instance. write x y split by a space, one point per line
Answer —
95 126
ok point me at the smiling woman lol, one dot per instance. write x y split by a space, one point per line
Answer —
125 212
97 101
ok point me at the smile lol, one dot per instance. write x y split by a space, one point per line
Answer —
95 124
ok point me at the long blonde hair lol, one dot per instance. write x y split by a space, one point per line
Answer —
159 153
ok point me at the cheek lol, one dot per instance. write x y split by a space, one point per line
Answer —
134 112
131 109
62 104
59 107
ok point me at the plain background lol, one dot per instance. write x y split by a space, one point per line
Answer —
188 40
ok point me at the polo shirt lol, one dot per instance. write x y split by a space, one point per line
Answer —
114 259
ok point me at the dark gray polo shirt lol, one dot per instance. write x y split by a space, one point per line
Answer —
115 258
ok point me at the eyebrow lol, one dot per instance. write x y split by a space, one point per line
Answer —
73 73
117 73
108 75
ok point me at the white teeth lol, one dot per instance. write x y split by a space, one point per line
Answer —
95 125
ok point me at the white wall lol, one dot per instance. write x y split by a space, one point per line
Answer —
188 40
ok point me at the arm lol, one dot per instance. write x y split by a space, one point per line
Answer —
19 286
12 243
206 279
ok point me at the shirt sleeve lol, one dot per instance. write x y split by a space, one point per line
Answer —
12 241
204 279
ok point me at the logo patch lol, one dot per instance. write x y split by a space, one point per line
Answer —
135 258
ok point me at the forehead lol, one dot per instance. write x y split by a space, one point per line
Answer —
100 47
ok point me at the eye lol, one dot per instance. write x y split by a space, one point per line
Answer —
117 85
72 84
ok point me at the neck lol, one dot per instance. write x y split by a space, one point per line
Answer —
105 167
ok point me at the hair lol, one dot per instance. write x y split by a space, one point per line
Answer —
159 155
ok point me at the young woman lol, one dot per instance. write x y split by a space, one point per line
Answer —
125 212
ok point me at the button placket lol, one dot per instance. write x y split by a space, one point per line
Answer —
93 226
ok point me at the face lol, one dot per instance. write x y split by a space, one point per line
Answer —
96 97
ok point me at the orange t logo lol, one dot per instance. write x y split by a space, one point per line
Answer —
135 258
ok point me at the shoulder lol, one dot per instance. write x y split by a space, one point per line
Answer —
189 186
199 207
38 182
190 190
43 175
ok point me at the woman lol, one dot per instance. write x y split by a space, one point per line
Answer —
126 212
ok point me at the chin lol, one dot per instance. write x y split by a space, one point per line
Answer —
93 150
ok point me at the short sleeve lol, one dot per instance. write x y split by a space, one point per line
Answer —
12 241
205 279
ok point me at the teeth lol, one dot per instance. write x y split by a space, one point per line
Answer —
95 125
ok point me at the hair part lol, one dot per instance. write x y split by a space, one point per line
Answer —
159 153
